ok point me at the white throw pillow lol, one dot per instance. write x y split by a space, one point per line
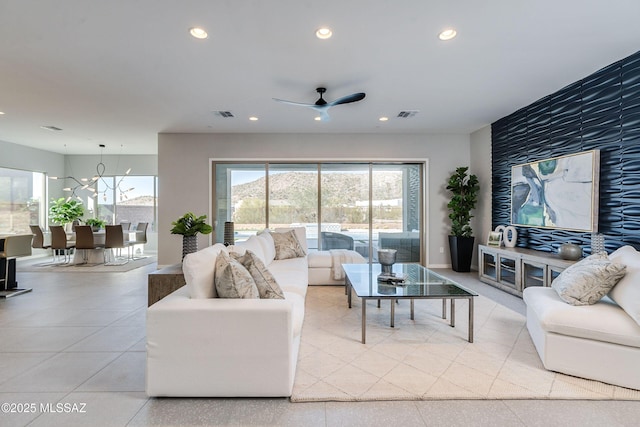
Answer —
198 269
252 244
265 282
588 280
287 245
268 246
232 280
626 293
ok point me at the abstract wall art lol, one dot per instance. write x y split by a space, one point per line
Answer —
560 192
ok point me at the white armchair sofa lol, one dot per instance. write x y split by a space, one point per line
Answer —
599 341
202 346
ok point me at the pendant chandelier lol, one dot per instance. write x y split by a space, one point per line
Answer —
91 184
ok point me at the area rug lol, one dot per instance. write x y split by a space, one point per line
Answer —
43 265
425 359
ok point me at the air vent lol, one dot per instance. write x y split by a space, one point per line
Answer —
224 114
52 128
407 114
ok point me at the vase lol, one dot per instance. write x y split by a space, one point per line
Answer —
386 258
510 236
570 251
189 245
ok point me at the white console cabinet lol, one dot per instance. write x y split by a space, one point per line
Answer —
514 269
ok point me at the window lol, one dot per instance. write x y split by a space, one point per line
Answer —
22 200
358 206
130 199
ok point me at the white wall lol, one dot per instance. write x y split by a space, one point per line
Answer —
184 172
15 156
480 149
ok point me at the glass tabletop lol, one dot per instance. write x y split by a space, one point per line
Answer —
419 282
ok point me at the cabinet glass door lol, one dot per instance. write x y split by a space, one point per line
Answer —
533 274
488 263
507 272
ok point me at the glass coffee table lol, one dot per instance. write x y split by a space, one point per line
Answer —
419 283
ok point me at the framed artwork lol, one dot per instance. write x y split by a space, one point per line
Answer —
494 239
560 192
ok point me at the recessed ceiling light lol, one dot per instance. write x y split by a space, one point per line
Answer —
447 34
253 118
383 119
317 119
1 113
324 33
51 128
198 33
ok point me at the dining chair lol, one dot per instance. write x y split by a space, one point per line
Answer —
114 239
38 240
141 237
85 241
125 225
60 244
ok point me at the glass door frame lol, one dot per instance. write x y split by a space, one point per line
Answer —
424 194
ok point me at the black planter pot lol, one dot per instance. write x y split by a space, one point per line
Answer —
461 249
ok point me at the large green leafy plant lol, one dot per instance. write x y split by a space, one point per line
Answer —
190 225
464 189
64 211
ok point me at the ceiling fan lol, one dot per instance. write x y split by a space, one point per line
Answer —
323 106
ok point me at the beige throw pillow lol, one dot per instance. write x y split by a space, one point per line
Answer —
232 280
265 282
287 245
588 280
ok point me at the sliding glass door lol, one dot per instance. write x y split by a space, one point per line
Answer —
357 206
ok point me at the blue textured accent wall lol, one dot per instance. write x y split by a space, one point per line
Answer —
602 111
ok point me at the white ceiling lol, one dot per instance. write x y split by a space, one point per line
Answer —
119 72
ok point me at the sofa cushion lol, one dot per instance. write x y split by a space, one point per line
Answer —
292 274
232 280
604 321
626 293
198 269
287 245
588 280
265 282
268 246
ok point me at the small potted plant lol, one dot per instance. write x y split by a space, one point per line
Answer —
95 223
464 188
63 211
189 225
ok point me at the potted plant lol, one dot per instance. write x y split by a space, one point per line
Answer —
464 188
63 211
189 226
95 223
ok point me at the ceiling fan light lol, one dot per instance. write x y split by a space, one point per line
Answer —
324 33
447 34
198 33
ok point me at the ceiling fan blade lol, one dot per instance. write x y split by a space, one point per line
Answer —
347 99
324 115
300 104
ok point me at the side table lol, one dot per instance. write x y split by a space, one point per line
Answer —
163 282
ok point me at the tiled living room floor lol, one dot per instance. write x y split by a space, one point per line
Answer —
78 339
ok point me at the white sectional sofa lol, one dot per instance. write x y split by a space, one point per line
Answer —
599 341
199 345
